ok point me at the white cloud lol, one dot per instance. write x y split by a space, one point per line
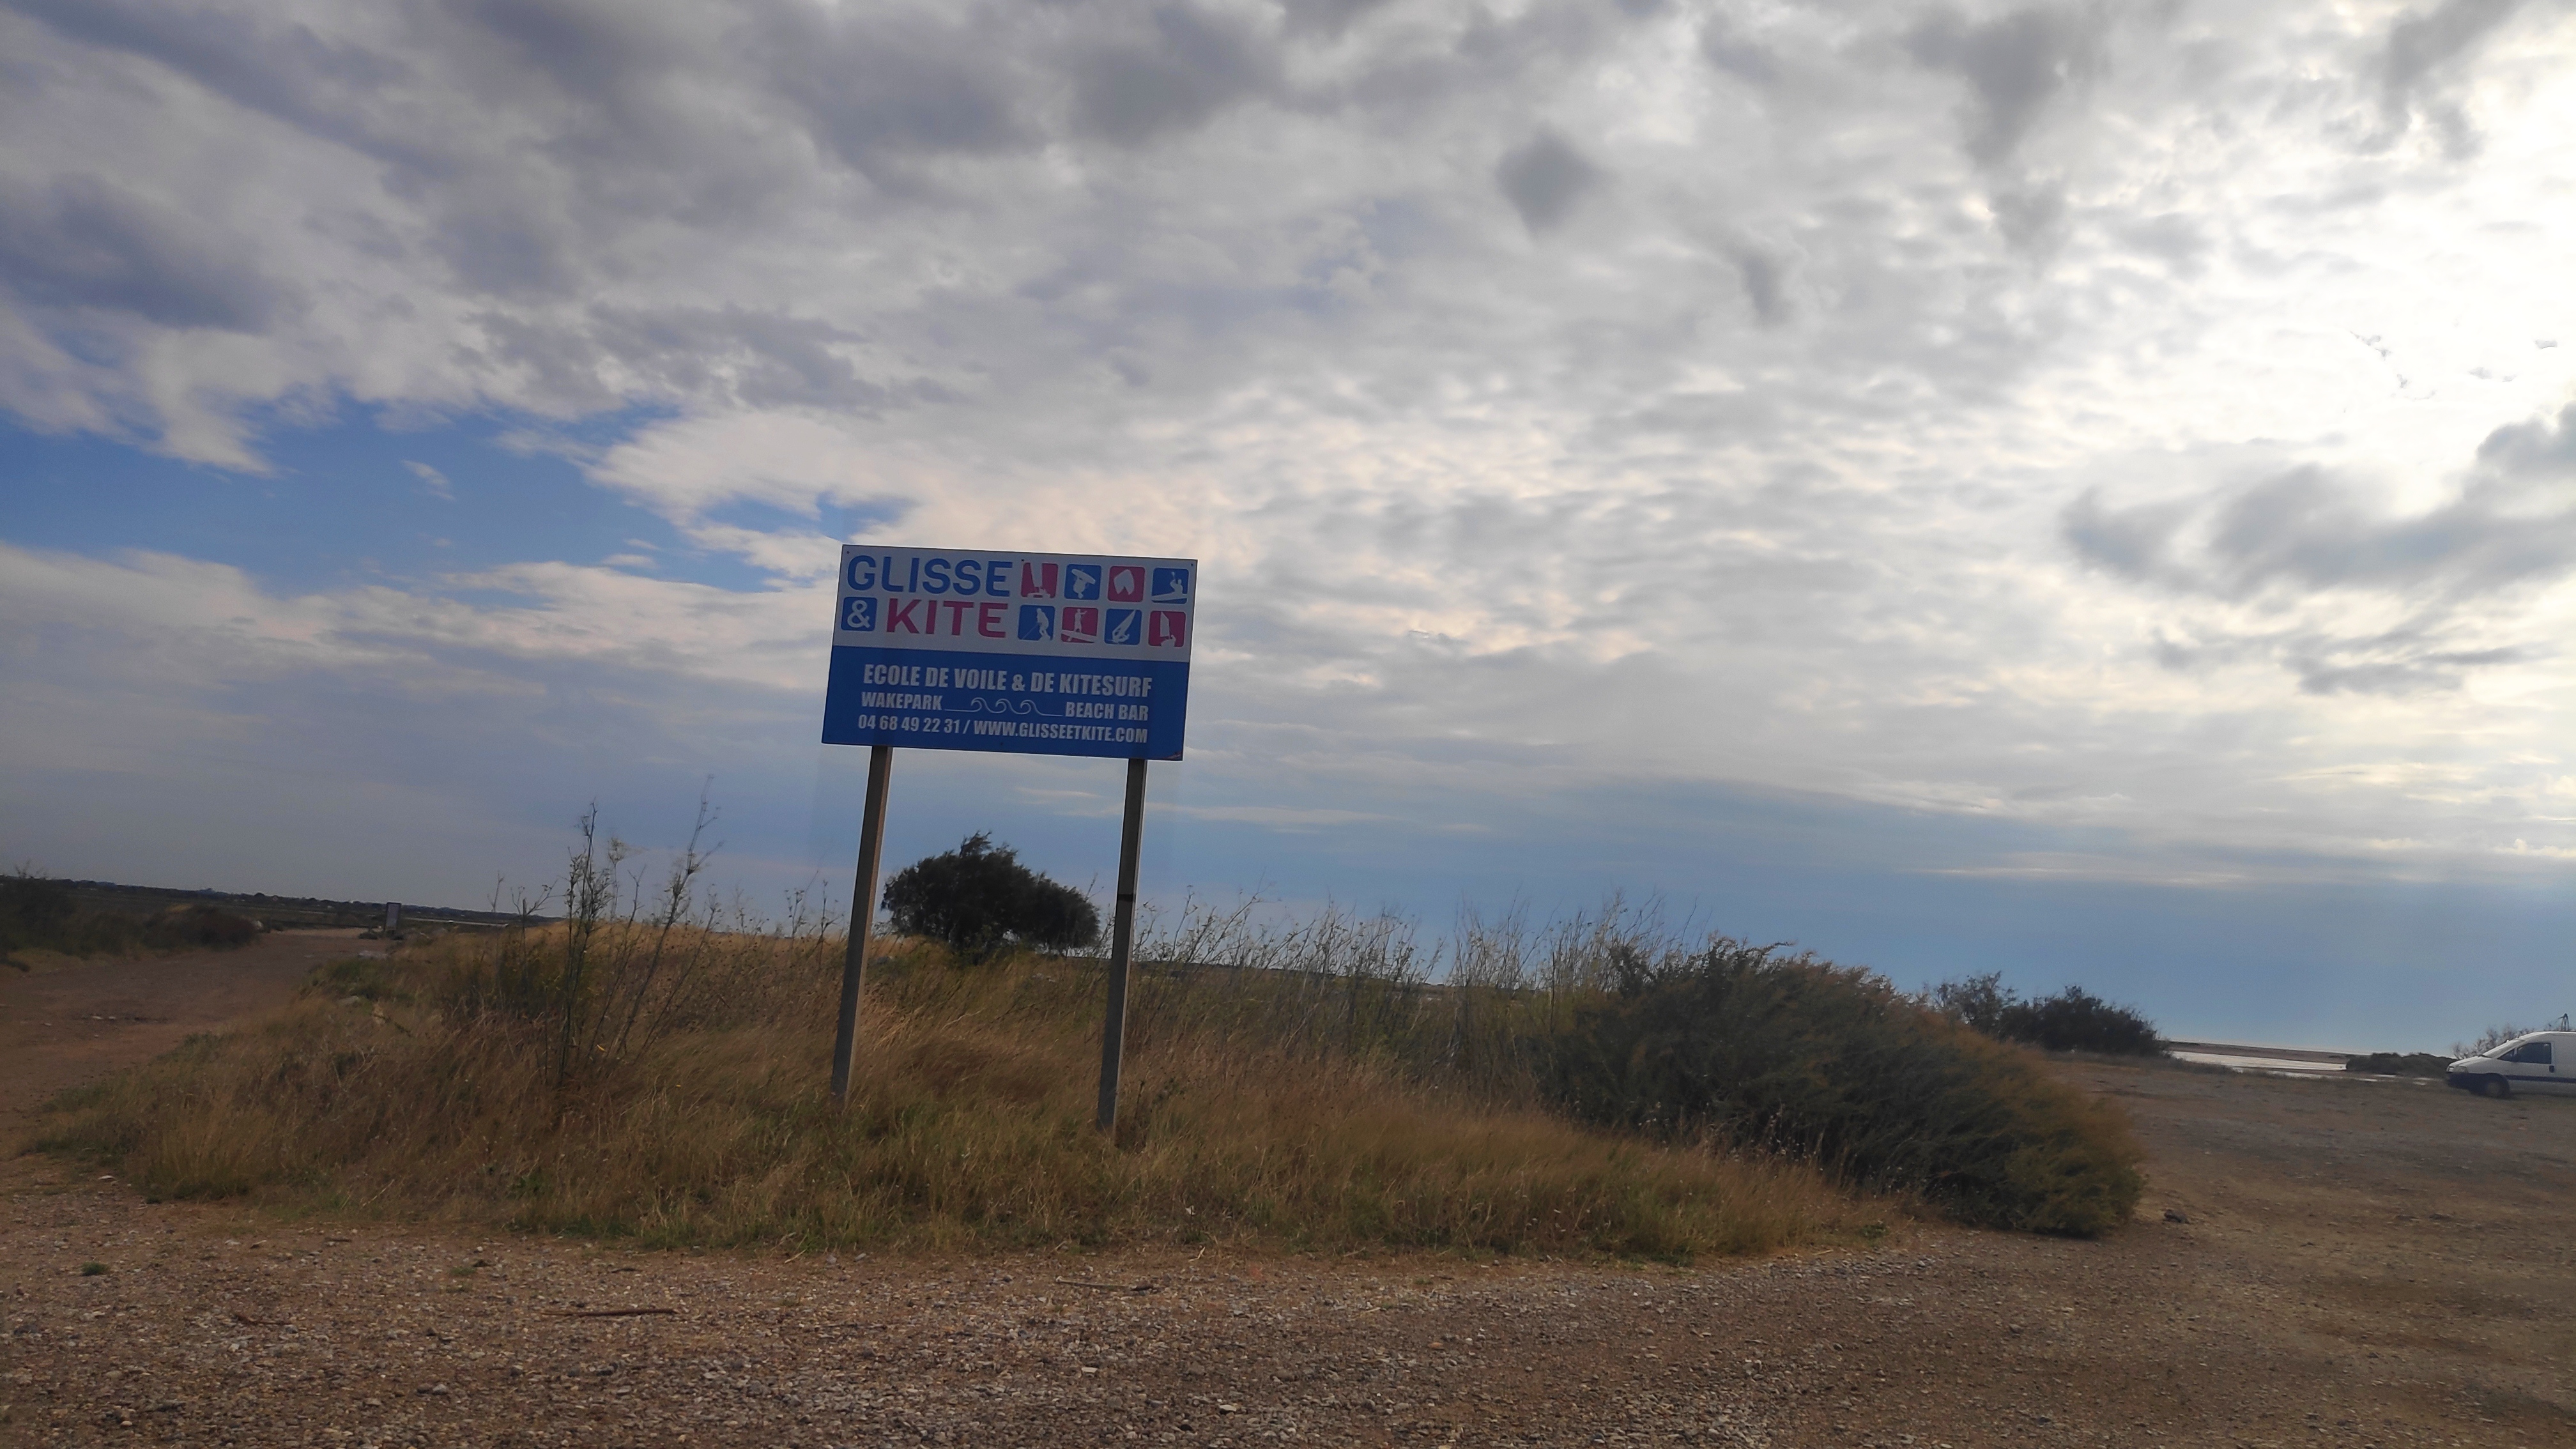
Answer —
1866 400
197 623
433 480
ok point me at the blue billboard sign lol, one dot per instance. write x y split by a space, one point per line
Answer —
1029 653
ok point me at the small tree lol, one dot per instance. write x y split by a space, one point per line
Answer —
2489 1039
1978 1003
978 898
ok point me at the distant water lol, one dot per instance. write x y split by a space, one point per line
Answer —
2252 1063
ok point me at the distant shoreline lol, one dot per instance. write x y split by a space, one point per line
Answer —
284 913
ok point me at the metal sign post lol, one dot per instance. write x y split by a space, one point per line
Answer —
1122 940
863 911
1019 653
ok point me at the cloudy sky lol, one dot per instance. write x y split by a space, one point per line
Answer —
2085 490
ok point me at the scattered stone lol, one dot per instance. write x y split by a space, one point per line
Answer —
921 1350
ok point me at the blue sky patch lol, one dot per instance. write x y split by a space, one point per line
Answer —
356 502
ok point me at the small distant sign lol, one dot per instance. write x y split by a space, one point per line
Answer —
1026 653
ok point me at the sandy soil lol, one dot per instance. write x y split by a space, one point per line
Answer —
69 1022
2318 1262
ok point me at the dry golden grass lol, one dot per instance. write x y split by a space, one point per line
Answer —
416 1088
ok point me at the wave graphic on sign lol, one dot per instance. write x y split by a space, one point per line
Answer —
1000 705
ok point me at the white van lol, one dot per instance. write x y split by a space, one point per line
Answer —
2542 1061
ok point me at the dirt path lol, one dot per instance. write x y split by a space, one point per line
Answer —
77 1021
2356 1263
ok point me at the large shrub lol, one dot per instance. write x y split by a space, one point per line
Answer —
33 911
978 898
41 914
1741 1044
2399 1064
2072 1020
200 926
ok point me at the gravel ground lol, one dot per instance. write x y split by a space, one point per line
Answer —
2335 1262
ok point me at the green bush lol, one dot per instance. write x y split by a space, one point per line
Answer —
39 914
33 910
2400 1064
2072 1020
201 927
978 898
1740 1044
